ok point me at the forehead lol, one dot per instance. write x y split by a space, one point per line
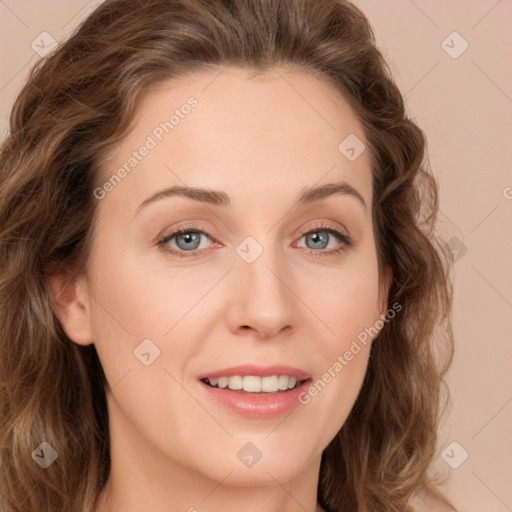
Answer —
279 131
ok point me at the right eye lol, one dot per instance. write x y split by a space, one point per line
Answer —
185 240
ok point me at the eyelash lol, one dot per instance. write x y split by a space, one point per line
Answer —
345 239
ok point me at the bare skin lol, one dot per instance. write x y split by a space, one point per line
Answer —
263 144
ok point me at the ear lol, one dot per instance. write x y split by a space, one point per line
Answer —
71 304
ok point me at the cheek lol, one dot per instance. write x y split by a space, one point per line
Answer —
136 301
349 313
347 303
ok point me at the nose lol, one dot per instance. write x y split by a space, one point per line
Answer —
262 300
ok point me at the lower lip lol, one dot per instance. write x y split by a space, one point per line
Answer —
269 405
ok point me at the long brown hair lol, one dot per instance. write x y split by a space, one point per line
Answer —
77 103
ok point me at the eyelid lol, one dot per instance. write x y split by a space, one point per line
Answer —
323 225
194 226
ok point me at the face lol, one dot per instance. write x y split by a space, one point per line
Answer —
259 290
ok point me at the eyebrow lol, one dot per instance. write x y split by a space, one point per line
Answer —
218 198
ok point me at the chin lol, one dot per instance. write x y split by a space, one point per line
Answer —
256 463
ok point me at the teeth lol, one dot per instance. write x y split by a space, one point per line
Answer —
251 383
254 384
269 384
235 382
282 382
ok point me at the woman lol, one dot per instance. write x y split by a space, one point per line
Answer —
221 286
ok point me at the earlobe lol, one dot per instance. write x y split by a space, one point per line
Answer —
70 302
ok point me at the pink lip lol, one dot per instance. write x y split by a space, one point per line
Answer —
267 405
258 371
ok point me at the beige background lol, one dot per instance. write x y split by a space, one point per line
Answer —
464 104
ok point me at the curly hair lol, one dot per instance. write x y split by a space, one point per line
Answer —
76 104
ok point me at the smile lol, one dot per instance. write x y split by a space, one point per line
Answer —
255 391
254 384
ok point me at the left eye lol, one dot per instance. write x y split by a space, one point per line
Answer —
186 240
320 237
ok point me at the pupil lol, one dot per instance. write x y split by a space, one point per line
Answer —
189 237
319 238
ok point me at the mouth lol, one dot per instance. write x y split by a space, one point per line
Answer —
255 385
256 391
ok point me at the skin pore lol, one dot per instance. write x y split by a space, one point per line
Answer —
262 141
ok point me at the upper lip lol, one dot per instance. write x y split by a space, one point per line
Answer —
259 371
